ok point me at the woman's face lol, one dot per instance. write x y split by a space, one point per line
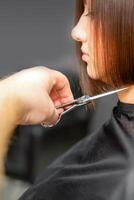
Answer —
82 33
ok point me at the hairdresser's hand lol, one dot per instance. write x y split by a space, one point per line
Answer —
35 92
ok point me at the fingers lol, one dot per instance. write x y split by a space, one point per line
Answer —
59 92
56 100
62 88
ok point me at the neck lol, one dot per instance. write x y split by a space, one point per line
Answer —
127 96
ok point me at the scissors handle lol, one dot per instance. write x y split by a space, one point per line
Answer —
77 102
67 104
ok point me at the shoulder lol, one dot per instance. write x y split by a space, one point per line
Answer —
72 162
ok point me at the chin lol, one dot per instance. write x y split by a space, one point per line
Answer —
92 74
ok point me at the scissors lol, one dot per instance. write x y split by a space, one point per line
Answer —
81 101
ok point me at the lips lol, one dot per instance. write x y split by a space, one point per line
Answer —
85 56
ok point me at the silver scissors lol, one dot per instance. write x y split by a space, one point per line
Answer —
81 101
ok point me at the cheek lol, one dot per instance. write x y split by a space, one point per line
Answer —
95 72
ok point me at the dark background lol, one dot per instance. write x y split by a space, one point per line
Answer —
36 32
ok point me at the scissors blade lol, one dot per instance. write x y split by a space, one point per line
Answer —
107 93
87 99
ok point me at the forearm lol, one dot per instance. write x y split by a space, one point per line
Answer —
7 122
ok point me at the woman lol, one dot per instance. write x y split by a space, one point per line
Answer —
101 166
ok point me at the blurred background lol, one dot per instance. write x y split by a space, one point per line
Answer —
38 32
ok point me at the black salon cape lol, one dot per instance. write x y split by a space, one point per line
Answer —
99 167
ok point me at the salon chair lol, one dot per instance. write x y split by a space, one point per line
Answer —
34 147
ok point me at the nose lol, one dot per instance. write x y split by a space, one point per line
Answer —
78 33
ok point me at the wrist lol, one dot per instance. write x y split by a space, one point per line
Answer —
8 110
